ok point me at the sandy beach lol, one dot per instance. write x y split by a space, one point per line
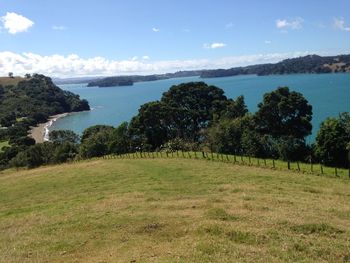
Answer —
40 133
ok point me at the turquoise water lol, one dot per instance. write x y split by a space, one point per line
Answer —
329 94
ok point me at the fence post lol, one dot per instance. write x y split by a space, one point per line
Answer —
298 166
258 161
227 158
273 163
189 155
177 153
249 160
321 169
242 159
264 161
195 154
203 154
167 154
234 158
288 165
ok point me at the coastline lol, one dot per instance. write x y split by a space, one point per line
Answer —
40 133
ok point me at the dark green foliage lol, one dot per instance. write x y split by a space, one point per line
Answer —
120 140
96 141
89 132
284 113
65 151
62 136
183 112
332 141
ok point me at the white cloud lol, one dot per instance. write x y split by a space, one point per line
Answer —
134 58
16 23
60 28
294 24
154 29
268 42
339 23
146 57
73 65
214 45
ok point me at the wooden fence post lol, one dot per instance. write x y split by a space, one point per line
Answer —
234 158
189 155
264 161
258 162
321 169
249 160
288 165
298 166
273 163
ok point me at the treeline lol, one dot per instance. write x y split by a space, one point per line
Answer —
130 80
196 116
306 64
28 103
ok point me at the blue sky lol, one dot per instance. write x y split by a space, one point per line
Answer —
67 38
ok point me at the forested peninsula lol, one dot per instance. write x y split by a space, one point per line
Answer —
26 102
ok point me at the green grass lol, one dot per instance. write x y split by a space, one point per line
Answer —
3 144
172 210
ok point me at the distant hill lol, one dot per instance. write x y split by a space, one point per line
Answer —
130 80
307 64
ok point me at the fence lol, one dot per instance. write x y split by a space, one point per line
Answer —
309 168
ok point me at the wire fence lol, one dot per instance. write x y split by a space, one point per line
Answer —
300 167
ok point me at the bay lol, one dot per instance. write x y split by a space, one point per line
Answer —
329 94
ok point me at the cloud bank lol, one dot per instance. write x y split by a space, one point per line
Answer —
15 23
73 65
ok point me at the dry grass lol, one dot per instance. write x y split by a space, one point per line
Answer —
5 81
172 210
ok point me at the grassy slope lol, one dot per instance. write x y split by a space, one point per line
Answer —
171 210
10 81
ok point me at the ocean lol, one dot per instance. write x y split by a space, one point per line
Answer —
329 94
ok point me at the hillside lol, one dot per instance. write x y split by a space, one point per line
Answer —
306 64
171 210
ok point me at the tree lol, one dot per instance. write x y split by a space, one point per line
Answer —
332 141
120 139
64 152
27 76
236 108
283 114
193 106
91 131
151 125
10 74
62 136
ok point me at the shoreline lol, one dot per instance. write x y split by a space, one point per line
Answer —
40 133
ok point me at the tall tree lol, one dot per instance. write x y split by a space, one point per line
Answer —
284 113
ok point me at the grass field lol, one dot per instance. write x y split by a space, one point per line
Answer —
10 81
172 210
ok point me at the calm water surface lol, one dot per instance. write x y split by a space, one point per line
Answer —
329 94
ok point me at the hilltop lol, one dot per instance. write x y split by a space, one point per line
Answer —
171 210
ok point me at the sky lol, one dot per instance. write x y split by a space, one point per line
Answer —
66 38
